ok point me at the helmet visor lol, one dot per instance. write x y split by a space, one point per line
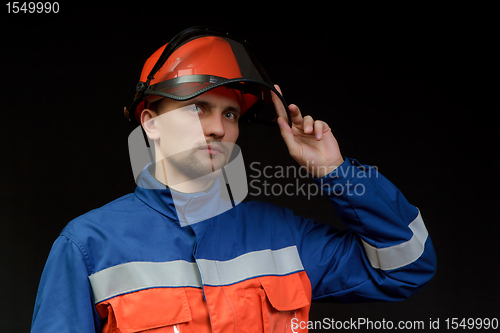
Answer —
196 62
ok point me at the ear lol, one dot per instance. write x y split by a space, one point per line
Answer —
148 123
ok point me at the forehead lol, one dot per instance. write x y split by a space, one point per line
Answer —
221 97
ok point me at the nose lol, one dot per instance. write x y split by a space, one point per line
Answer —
213 126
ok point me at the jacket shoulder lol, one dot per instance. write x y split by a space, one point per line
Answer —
108 216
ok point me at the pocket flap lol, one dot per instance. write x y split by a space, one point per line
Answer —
148 309
285 293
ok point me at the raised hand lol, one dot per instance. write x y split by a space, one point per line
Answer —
310 142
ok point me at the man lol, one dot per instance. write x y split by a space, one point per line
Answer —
184 254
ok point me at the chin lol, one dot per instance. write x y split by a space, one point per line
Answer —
204 168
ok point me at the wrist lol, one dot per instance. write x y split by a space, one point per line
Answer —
322 171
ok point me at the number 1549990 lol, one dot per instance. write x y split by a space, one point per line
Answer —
32 7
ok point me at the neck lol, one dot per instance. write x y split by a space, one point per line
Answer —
175 179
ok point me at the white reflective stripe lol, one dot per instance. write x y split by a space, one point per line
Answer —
250 265
134 276
138 275
400 255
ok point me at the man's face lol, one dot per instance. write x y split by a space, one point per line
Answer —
196 137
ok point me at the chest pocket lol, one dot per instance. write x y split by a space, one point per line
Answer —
277 306
159 310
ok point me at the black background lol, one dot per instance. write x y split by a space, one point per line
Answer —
408 89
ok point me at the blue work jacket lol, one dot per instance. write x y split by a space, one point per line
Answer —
130 266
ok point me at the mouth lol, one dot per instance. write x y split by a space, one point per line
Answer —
212 149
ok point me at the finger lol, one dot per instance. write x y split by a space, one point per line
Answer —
308 124
320 127
296 116
278 104
286 134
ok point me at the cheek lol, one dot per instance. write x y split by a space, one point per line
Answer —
177 137
232 132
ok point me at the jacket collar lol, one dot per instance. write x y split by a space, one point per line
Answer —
186 208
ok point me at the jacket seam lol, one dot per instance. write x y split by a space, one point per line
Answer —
155 210
83 252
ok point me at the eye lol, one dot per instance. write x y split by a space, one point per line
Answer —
231 115
195 109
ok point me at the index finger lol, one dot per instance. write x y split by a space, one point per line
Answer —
297 119
278 104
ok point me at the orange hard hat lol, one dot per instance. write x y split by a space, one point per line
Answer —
208 55
198 60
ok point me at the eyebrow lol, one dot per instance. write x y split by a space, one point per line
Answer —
210 105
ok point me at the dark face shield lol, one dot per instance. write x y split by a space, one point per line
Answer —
201 59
